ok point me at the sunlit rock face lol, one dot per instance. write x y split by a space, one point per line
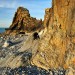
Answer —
57 46
23 22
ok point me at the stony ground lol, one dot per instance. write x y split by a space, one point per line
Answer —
15 59
7 52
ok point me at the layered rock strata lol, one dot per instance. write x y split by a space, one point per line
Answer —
57 47
23 22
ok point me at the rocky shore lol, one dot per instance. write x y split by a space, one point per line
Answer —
30 70
15 59
28 48
13 49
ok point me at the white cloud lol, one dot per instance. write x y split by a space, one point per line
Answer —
8 4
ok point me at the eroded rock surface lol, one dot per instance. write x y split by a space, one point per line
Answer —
57 47
55 50
23 22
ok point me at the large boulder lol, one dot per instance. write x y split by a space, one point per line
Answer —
7 43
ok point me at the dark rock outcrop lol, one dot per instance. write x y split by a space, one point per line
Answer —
23 22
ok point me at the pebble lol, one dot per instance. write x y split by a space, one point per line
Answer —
29 69
7 43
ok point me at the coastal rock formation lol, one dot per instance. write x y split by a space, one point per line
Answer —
23 22
57 47
53 50
7 43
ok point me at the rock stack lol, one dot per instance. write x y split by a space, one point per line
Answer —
23 22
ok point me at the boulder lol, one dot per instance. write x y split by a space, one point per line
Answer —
7 43
36 35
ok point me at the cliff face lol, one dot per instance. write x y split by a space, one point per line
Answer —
57 47
22 21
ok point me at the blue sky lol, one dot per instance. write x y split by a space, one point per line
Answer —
9 7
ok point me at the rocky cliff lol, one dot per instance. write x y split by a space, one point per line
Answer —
22 22
57 47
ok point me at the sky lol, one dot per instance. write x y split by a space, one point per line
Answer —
9 7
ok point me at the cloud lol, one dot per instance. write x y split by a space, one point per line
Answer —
8 3
25 3
8 8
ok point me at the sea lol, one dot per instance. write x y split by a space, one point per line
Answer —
2 30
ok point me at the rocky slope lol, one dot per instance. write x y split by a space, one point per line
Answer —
15 59
23 22
57 47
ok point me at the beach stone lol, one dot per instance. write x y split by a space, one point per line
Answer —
35 35
7 43
58 43
1 37
12 47
70 71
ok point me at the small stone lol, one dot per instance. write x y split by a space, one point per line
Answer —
7 43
